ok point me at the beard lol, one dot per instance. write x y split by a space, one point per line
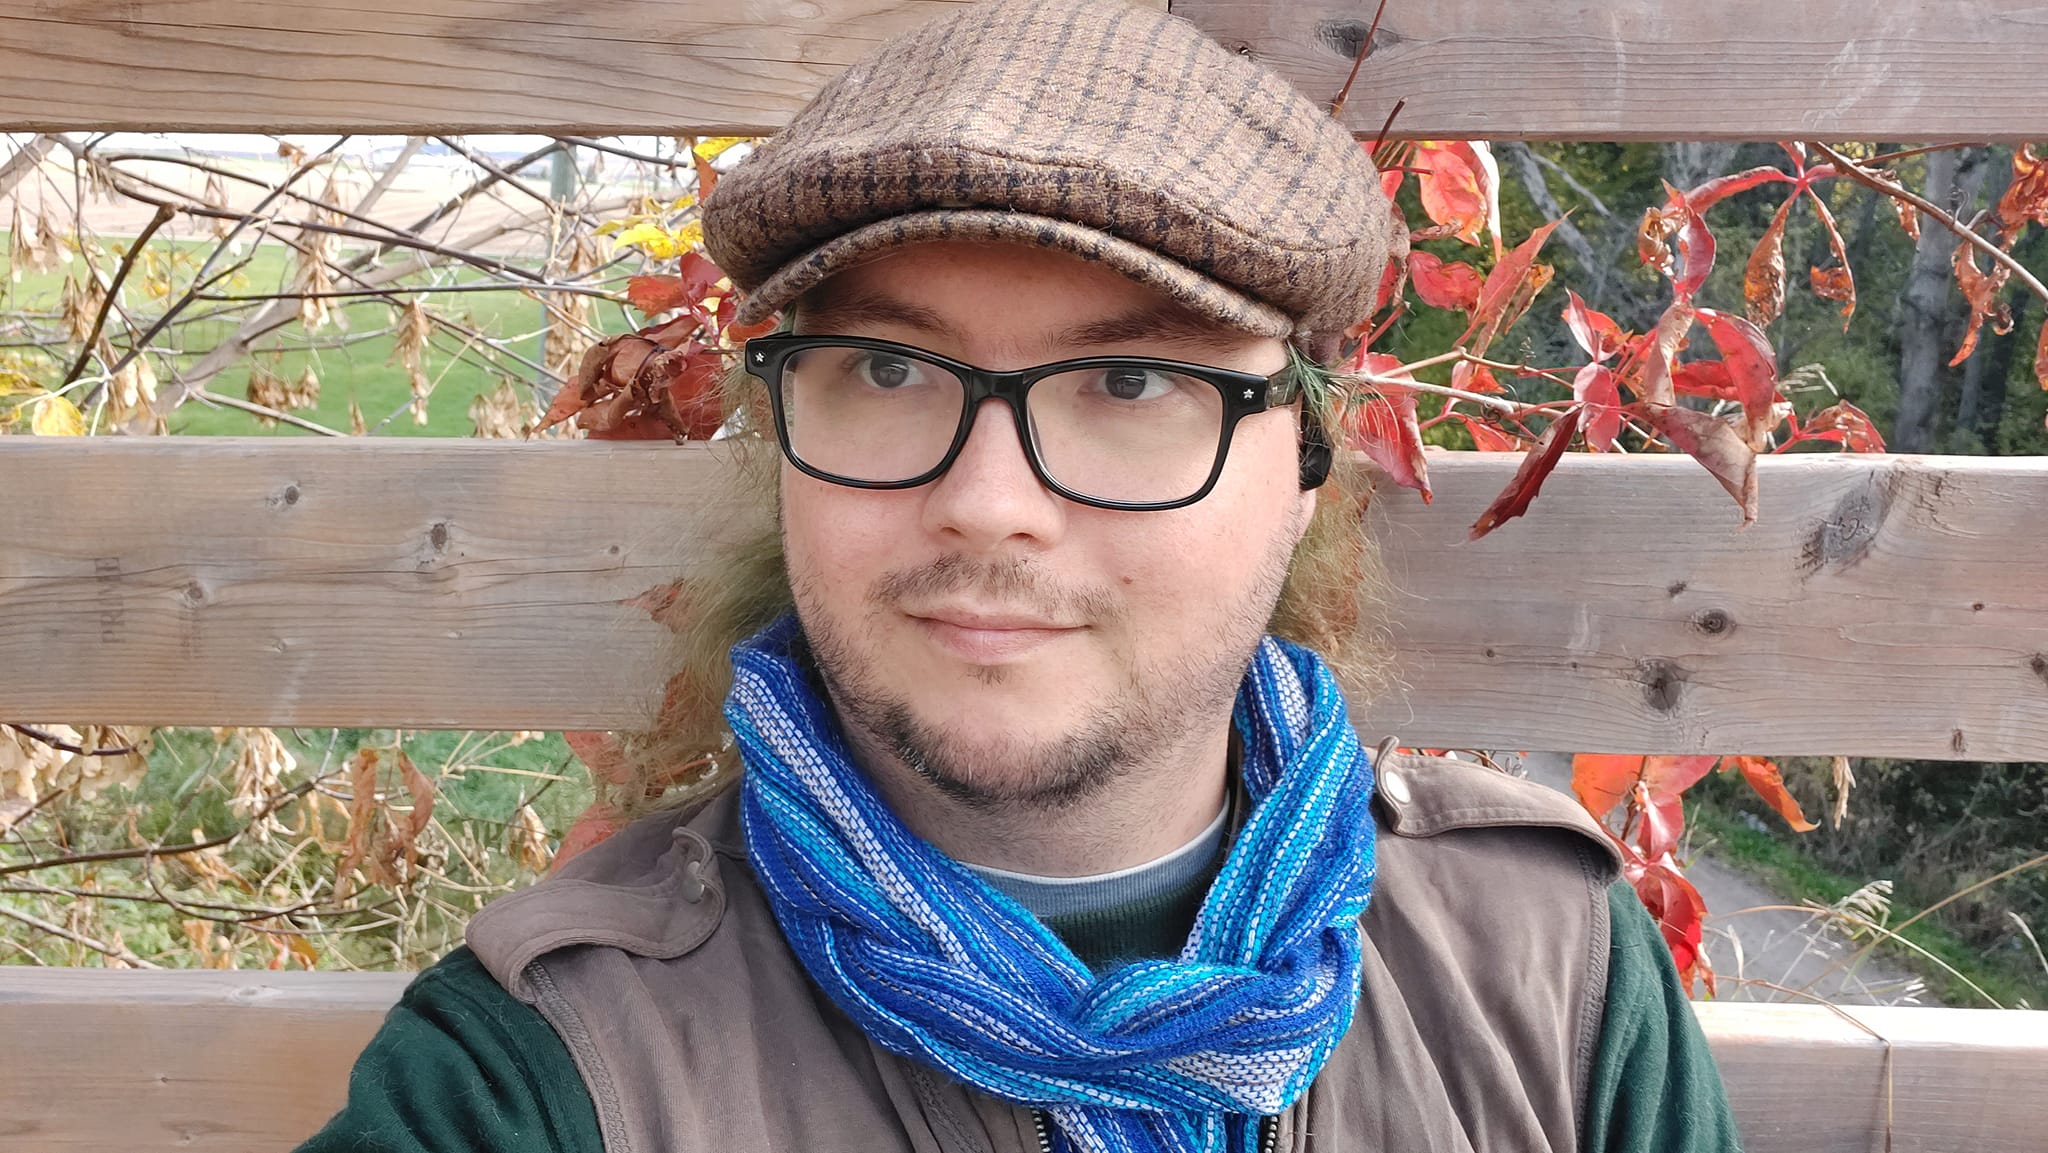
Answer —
1148 715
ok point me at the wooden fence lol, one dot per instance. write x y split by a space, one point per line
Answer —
1888 606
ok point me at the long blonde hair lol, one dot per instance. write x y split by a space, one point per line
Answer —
1332 600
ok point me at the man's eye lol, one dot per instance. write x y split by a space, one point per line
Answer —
1132 383
884 371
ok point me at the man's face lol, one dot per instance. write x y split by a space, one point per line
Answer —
1007 644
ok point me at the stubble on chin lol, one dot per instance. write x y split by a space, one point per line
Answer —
1143 718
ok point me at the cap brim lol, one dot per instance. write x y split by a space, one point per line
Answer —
1185 286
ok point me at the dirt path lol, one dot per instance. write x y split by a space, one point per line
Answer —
1784 948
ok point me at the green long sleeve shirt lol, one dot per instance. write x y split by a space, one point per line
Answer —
460 1066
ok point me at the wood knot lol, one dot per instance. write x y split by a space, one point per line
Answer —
193 594
1663 683
1713 622
1956 743
1347 37
1844 536
438 535
286 497
2039 664
1675 588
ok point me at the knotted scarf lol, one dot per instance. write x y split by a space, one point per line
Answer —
934 964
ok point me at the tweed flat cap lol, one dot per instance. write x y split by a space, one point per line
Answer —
1111 132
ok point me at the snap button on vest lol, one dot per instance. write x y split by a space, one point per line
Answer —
1395 786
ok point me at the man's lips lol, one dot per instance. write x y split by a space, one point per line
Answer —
988 638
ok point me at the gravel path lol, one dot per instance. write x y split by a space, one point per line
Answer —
1784 948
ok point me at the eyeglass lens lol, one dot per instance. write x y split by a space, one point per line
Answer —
1116 432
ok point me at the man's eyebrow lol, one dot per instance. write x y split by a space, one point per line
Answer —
1161 321
863 308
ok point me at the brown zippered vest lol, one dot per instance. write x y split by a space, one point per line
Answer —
657 959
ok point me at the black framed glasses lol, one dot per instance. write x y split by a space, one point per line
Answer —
1119 432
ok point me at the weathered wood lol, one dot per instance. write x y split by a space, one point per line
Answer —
1706 70
256 1061
1880 606
1750 69
1802 1078
227 1062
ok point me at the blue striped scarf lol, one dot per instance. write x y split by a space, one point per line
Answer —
934 964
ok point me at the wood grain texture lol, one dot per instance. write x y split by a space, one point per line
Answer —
1881 606
1804 1080
1748 69
638 66
1621 70
255 1062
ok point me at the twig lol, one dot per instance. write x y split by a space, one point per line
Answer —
150 851
1387 126
202 393
671 162
163 213
56 930
1858 173
1364 50
64 746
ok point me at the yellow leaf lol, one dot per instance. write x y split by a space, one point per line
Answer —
712 146
15 384
57 416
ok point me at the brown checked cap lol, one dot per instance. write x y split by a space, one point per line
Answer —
1111 132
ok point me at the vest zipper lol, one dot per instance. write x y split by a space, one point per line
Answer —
1269 1132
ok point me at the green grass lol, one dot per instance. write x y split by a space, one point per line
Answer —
362 371
1781 868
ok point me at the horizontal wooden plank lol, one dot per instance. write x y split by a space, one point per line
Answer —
1704 70
1880 606
1748 69
147 1061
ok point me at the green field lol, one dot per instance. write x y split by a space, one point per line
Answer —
359 370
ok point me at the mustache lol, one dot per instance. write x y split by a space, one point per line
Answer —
1013 581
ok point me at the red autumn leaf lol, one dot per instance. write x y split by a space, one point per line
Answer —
1485 437
1846 425
1596 390
1391 278
1909 219
2026 198
1390 178
1602 780
2041 356
593 827
1753 369
1442 285
1384 426
1474 377
693 280
1680 220
1763 278
1537 464
1711 441
1659 351
1834 283
1839 279
1515 277
600 753
1460 189
1678 910
1596 332
1708 378
1981 290
1763 776
1710 193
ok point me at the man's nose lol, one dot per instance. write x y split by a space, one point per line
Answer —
990 495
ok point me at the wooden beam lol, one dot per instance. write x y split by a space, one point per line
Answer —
1705 70
1805 1079
160 1061
1713 69
1880 606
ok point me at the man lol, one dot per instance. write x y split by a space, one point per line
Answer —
1021 832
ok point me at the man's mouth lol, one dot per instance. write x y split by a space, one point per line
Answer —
980 636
